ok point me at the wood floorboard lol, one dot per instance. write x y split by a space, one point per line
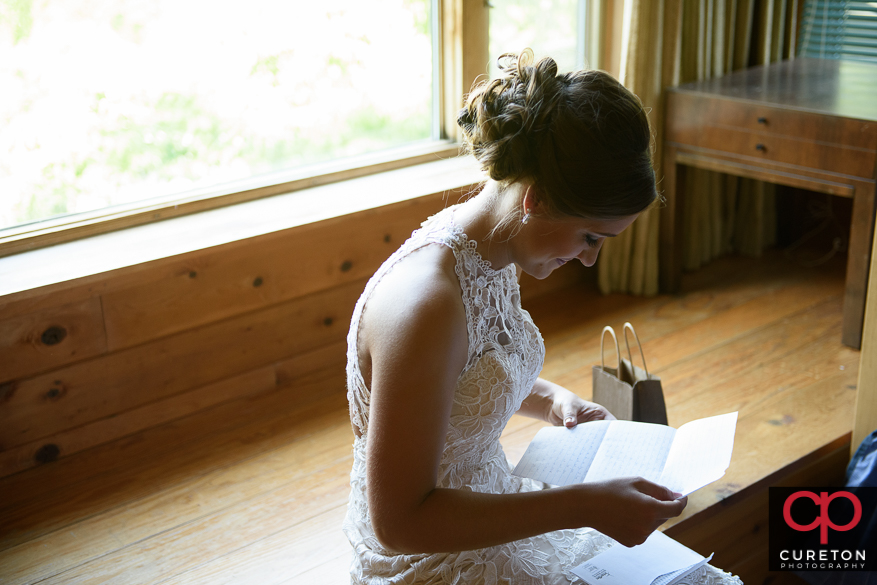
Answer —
294 516
228 491
262 424
278 557
333 571
254 491
665 324
727 283
691 346
136 451
743 361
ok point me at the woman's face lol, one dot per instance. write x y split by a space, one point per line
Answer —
544 245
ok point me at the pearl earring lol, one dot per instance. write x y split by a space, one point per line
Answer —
526 218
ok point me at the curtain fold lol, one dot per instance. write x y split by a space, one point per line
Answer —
676 41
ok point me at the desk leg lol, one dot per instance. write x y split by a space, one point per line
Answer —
858 263
672 221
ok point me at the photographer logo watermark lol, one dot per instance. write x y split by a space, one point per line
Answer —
823 522
822 529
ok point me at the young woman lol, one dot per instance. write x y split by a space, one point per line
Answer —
441 354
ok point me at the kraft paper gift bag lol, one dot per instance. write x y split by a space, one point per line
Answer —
628 392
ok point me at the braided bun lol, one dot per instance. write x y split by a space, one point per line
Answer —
581 139
504 119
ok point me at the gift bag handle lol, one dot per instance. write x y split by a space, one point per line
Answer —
611 332
640 345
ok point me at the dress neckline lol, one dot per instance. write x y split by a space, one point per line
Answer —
472 246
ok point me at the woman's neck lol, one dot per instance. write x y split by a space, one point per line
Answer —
479 216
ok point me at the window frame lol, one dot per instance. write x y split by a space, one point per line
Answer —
460 58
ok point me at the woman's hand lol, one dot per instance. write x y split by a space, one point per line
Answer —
569 409
558 406
629 509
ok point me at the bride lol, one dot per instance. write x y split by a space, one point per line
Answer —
441 354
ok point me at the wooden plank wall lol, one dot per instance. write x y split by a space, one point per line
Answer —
81 365
84 363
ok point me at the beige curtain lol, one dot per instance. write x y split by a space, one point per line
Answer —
677 41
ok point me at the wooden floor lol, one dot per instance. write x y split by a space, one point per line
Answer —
254 491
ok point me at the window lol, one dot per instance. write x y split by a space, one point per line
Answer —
121 112
555 28
115 101
839 29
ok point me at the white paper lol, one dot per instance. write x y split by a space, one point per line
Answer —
562 456
701 453
631 448
683 460
676 576
660 560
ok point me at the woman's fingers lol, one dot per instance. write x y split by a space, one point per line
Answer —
655 490
673 508
629 509
580 411
570 414
671 503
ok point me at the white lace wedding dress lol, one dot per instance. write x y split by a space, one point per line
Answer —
505 357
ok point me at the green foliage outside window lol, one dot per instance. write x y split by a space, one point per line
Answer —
113 101
549 27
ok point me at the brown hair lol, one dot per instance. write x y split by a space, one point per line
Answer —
581 139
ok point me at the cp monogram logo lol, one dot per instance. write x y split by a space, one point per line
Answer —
822 521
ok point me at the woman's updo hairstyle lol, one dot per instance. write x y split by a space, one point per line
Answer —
581 139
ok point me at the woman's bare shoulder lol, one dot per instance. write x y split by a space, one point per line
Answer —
419 298
423 282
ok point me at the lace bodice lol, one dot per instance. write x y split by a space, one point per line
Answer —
504 359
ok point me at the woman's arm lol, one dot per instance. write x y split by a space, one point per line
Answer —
557 405
415 341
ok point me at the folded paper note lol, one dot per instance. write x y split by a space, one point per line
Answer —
684 460
660 560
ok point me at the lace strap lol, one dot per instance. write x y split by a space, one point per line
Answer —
432 231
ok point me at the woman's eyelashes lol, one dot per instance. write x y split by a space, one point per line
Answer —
591 241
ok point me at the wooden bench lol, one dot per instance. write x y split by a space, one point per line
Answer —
191 423
256 487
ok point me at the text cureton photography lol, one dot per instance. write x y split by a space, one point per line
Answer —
823 529
836 560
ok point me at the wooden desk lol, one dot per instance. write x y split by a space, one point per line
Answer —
809 123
